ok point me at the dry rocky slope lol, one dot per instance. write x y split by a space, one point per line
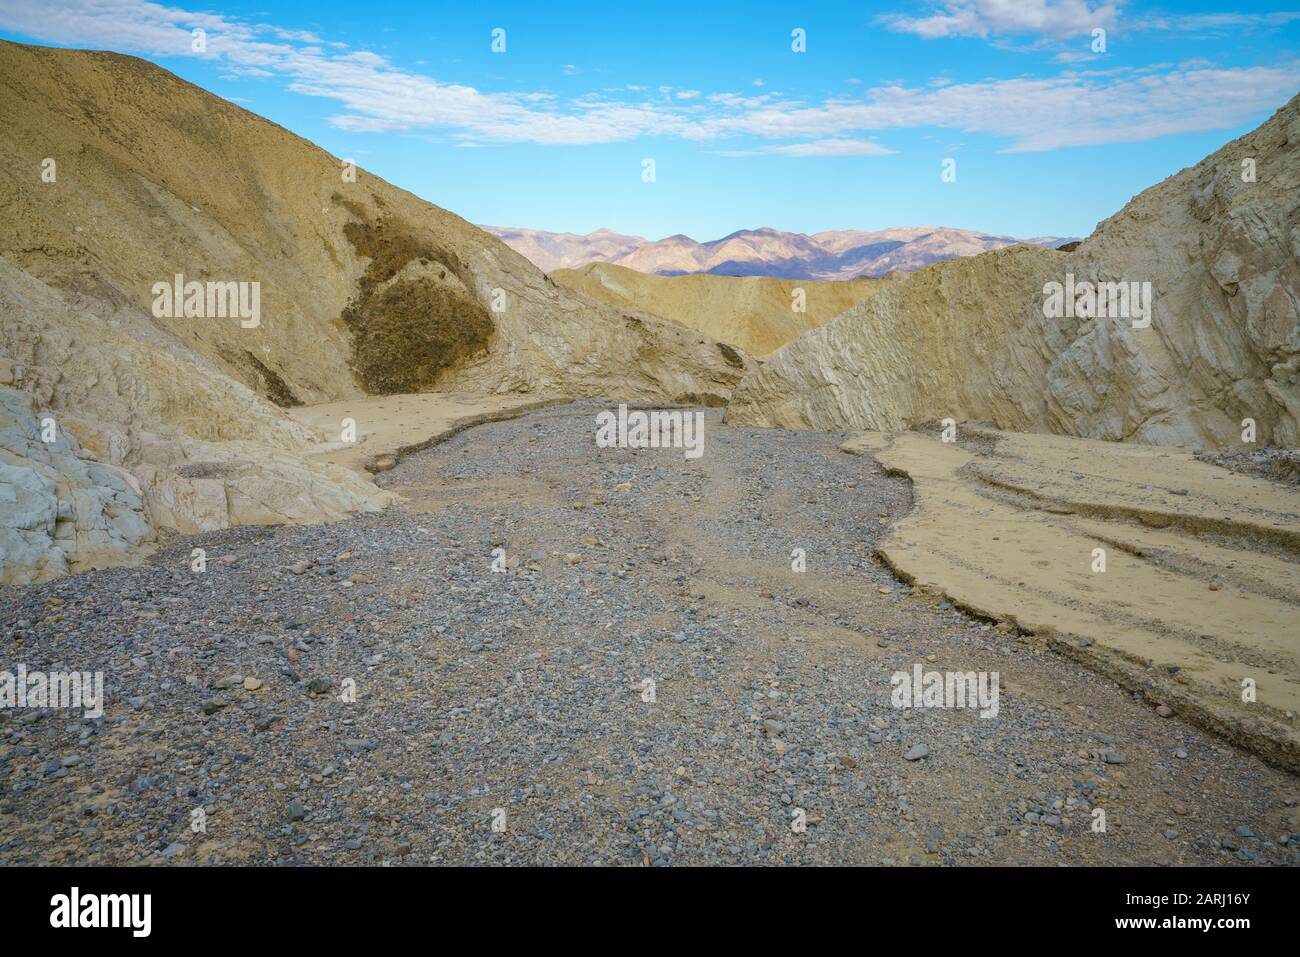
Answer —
834 255
754 313
968 339
116 175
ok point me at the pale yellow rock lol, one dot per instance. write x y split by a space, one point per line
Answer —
753 313
1009 527
968 339
389 427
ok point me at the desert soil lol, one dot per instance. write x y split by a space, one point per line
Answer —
1177 578
517 697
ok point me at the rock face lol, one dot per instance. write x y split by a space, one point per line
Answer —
968 339
752 313
317 283
201 450
937 344
59 510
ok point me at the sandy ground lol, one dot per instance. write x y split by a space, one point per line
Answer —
392 426
1200 592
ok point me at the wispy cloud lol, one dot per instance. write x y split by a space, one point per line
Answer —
1050 20
1212 22
375 95
1053 19
1074 109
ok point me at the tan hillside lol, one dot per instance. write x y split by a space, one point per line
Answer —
365 288
968 339
116 175
753 313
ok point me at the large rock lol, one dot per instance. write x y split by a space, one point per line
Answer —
968 339
59 511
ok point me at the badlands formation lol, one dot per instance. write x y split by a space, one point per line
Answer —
753 313
1200 594
969 339
115 176
382 323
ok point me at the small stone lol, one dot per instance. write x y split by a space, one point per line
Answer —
251 683
1113 757
1164 710
296 811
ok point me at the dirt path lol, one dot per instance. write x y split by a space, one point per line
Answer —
517 697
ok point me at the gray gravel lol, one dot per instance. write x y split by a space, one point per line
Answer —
515 700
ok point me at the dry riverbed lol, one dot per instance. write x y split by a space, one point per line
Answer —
518 697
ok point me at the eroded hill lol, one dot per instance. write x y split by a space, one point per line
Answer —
299 281
1215 249
753 313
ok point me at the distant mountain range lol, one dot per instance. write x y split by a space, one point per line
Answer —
832 255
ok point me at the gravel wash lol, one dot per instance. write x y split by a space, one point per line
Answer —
374 692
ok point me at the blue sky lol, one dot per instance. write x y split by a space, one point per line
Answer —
1049 136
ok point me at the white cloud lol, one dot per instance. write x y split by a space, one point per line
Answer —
1071 109
1053 19
1209 22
